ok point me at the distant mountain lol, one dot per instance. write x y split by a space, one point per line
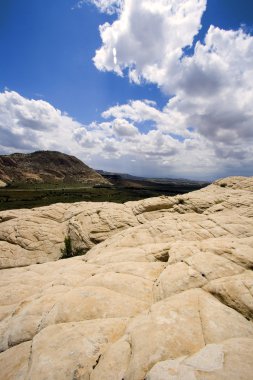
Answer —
124 176
121 175
47 167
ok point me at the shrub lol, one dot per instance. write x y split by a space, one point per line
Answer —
68 250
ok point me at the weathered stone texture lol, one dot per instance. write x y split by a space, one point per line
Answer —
163 293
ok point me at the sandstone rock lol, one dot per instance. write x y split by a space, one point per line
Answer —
164 292
95 222
177 278
24 241
146 241
37 235
242 183
230 360
235 291
175 327
81 345
14 362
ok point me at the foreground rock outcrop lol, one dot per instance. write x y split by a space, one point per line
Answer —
163 292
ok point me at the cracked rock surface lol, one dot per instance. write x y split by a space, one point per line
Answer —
164 291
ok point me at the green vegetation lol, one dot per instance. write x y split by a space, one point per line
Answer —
37 195
68 250
29 198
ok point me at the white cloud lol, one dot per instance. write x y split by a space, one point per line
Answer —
118 143
212 89
106 6
149 37
142 111
33 124
122 127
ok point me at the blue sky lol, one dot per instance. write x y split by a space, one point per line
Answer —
46 53
47 49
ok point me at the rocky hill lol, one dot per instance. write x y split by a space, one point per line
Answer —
164 291
46 167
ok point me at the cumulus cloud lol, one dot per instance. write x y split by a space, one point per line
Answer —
215 89
149 37
123 128
141 111
210 91
117 143
33 124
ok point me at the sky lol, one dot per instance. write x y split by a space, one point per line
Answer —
160 88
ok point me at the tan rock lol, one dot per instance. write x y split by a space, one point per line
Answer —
236 250
243 183
114 362
235 291
95 224
143 241
149 271
34 240
125 284
211 266
227 361
175 279
175 327
165 291
79 347
37 235
14 362
66 305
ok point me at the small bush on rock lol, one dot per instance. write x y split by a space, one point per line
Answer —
68 250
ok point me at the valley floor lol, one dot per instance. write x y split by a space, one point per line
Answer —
30 196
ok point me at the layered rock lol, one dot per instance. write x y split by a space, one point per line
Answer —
164 291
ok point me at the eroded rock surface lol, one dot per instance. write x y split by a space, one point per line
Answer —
164 291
